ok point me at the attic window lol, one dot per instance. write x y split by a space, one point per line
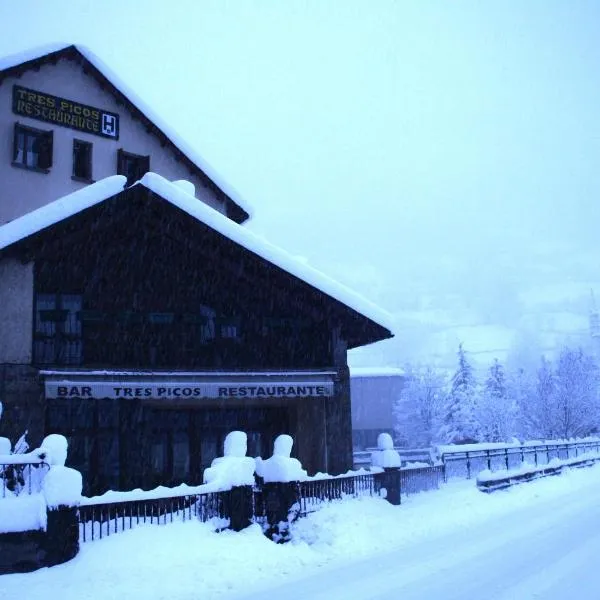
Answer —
82 161
32 148
133 166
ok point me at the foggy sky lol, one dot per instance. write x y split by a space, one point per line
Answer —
428 154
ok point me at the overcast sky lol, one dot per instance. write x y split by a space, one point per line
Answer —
413 150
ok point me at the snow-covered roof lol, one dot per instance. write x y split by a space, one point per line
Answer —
39 52
60 209
376 372
95 193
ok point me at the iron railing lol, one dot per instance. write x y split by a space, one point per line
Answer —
465 463
414 480
18 478
103 519
313 493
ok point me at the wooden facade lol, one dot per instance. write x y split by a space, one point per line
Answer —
135 290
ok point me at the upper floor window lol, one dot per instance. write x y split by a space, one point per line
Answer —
133 166
82 160
32 148
57 329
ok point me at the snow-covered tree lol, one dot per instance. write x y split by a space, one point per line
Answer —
458 412
575 406
495 409
417 410
564 401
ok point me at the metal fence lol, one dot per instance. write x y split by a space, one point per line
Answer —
314 493
18 478
101 520
98 520
421 479
468 463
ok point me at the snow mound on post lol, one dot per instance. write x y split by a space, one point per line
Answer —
385 456
234 468
62 486
281 467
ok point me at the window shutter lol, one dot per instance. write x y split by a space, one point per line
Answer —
45 150
120 160
15 143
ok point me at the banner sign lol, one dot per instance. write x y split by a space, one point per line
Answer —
177 389
60 111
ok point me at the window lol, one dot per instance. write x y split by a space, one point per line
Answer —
133 166
32 148
57 334
82 160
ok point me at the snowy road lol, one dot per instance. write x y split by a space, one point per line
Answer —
543 551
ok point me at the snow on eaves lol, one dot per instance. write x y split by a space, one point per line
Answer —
252 242
60 209
187 149
376 372
13 60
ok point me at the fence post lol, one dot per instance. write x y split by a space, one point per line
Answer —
390 480
468 466
62 535
489 460
506 457
522 454
239 507
279 498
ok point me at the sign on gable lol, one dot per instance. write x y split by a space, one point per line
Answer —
67 113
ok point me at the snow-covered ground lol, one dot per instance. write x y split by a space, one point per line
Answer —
537 540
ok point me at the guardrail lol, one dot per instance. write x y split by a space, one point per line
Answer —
499 481
461 463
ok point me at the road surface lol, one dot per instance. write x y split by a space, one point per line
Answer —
544 551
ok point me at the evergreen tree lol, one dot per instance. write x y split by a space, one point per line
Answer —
458 420
496 412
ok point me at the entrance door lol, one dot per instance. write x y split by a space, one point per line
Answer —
169 448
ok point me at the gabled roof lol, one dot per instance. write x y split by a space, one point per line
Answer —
91 195
15 65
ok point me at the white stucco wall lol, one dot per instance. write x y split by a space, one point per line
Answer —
16 311
22 190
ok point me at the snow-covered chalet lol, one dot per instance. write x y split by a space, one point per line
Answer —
139 317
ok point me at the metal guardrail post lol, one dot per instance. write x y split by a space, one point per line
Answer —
489 460
468 466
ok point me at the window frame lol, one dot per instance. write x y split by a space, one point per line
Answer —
29 131
123 155
59 326
74 176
